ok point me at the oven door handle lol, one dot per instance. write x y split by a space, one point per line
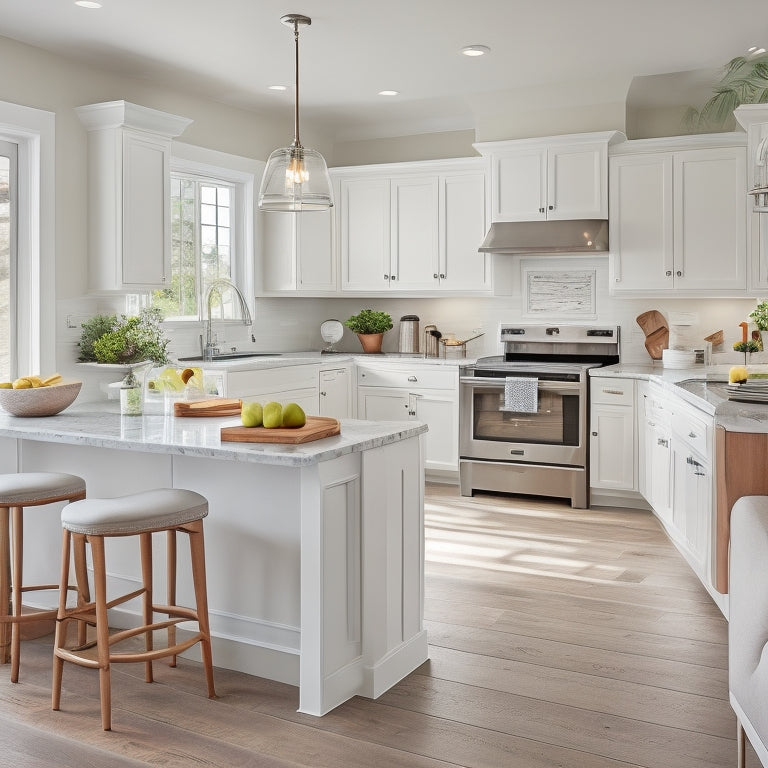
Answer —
482 382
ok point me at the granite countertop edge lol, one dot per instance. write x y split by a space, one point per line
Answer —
100 425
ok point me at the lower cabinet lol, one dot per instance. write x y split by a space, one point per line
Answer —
336 392
421 393
612 434
289 384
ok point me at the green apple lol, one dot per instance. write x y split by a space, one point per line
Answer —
273 415
294 416
251 414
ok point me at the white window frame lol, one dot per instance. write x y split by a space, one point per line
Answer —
242 173
34 131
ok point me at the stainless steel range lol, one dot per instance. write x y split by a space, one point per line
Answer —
524 414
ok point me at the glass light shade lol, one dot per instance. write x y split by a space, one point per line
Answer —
295 179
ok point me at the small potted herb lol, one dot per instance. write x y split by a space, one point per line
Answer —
370 327
124 340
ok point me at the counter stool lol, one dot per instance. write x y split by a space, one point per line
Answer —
92 521
18 491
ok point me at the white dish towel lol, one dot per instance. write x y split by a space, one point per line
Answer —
521 394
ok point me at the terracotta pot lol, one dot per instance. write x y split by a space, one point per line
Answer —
371 342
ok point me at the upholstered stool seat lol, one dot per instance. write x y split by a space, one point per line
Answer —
90 522
18 491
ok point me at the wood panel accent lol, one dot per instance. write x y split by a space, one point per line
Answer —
741 471
559 637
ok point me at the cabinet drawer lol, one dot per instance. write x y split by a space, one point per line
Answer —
411 377
693 431
612 391
268 380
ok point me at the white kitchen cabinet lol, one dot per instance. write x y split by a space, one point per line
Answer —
559 177
129 219
612 434
425 393
286 384
336 392
298 254
413 227
678 217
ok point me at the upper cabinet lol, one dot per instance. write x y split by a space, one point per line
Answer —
129 221
678 215
413 227
560 177
298 253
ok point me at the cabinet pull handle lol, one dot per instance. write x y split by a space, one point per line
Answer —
322 394
412 378
679 272
613 391
669 273
541 210
661 441
386 277
692 434
435 275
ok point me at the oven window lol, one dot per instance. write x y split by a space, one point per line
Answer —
555 423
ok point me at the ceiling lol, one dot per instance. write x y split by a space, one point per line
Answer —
232 50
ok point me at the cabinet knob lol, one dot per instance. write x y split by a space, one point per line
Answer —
322 394
435 275
551 207
393 277
412 378
669 273
386 277
442 276
679 273
594 434
541 210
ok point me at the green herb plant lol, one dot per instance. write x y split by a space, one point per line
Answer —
369 321
109 339
760 315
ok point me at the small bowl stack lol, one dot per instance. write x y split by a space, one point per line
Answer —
40 401
678 358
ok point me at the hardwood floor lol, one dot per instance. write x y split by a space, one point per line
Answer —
558 637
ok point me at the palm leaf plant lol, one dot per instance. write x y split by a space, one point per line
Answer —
744 81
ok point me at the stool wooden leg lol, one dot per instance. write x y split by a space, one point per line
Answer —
81 581
102 629
60 638
171 580
146 576
741 745
17 525
5 585
197 552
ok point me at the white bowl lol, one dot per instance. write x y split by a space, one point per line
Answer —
40 401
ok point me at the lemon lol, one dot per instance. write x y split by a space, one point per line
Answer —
22 383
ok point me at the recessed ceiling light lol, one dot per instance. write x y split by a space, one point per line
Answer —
88 3
475 50
278 87
389 93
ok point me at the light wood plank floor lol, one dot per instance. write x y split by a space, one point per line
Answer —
558 637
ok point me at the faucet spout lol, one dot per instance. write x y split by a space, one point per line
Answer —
218 288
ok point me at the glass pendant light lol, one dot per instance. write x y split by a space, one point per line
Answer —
296 178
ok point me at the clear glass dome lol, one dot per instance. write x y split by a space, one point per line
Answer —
295 179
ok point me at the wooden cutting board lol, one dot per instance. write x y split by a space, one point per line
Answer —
316 428
656 332
219 406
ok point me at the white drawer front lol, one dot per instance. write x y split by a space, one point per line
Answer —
268 380
612 391
416 377
692 430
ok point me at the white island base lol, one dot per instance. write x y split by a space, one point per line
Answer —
315 560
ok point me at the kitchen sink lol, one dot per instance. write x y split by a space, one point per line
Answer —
702 387
223 356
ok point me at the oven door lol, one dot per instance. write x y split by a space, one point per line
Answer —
555 434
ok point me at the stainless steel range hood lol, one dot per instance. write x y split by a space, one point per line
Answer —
567 236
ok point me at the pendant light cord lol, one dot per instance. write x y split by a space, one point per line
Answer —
296 141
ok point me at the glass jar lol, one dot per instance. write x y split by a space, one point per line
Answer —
131 400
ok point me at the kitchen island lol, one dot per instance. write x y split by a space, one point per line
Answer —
315 552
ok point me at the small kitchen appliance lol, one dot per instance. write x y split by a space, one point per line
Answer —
409 335
506 446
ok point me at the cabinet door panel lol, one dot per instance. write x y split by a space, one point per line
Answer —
577 182
335 389
612 453
710 219
146 208
316 264
442 440
414 233
463 227
365 233
279 264
383 405
518 179
641 224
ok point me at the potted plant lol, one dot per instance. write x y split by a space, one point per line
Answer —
760 317
370 327
124 340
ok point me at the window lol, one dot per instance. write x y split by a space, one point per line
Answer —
211 228
8 226
201 243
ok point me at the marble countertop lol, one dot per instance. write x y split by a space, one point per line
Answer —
702 387
102 426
